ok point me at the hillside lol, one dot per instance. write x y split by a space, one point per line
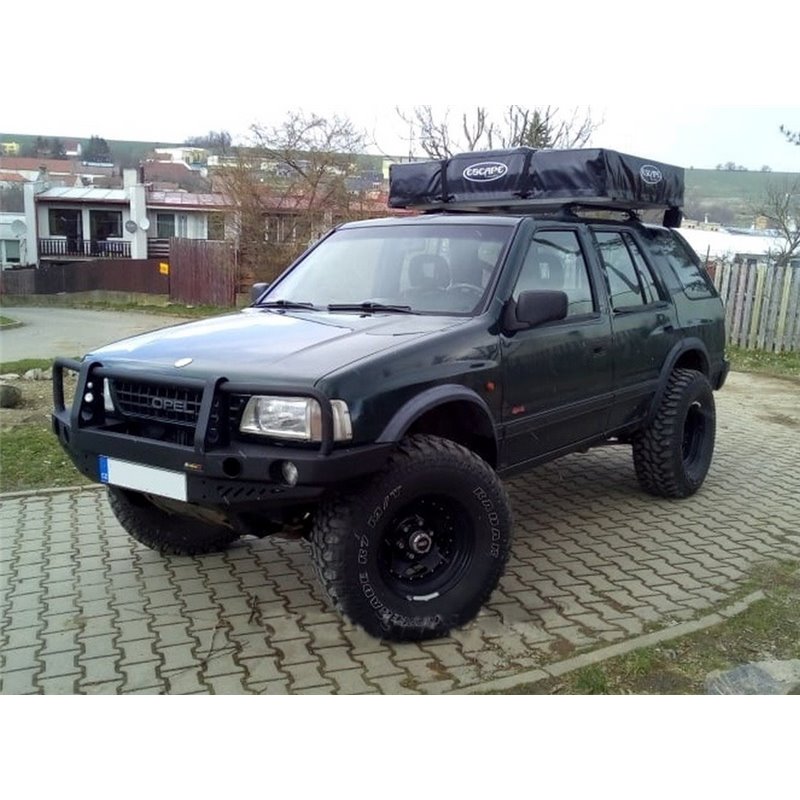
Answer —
125 153
729 196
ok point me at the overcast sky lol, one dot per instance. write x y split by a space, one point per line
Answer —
690 87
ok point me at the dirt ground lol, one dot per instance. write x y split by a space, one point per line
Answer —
778 400
37 403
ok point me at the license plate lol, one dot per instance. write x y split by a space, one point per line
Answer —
153 480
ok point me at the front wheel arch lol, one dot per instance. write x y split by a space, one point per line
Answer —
452 412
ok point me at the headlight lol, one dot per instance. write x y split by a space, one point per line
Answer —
298 418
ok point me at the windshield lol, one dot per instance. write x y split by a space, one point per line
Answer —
426 269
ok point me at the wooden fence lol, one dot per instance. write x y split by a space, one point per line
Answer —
111 275
202 272
762 305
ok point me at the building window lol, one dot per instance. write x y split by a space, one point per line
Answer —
216 226
105 225
65 222
9 251
165 226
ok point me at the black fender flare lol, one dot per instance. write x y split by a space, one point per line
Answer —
429 399
684 346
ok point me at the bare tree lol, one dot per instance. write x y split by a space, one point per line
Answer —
313 155
289 186
533 126
792 136
781 206
219 141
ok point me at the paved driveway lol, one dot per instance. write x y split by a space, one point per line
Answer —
595 561
71 332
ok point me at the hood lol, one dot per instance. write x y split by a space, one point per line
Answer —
267 344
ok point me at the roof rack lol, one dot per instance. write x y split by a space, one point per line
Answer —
527 180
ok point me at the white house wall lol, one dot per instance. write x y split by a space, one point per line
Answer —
196 222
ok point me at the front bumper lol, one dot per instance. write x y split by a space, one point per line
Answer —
237 475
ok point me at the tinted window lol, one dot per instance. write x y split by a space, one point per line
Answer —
645 275
693 278
555 261
624 286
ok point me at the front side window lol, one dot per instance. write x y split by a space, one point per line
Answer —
555 261
430 268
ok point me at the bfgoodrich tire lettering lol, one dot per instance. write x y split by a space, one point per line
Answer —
166 533
420 549
673 454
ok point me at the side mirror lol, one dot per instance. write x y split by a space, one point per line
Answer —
535 308
257 290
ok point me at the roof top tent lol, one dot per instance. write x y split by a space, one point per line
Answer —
524 179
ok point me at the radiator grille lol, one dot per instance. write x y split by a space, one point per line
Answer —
167 404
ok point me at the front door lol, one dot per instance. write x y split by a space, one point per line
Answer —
557 376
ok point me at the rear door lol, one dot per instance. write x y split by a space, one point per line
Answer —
557 376
643 322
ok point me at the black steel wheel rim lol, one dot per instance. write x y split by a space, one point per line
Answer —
694 433
426 547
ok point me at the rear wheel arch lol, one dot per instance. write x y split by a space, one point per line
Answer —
690 353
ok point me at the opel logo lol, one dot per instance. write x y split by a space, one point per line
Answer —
183 362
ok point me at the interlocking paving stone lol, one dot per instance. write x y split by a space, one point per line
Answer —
85 609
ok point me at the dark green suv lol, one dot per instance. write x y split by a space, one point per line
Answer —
371 398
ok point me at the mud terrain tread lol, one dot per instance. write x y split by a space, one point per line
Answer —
332 527
654 456
165 533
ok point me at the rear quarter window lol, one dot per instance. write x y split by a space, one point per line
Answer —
683 261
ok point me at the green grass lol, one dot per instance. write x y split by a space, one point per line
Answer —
782 365
171 309
24 364
31 458
6 321
769 629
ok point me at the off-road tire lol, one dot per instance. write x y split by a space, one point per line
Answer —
672 455
164 532
432 492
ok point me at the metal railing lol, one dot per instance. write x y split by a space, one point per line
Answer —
83 248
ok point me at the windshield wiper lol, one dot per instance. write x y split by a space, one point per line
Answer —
370 306
284 304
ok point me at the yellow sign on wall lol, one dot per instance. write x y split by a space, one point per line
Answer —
163 268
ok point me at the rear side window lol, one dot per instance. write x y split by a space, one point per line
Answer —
693 278
630 282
